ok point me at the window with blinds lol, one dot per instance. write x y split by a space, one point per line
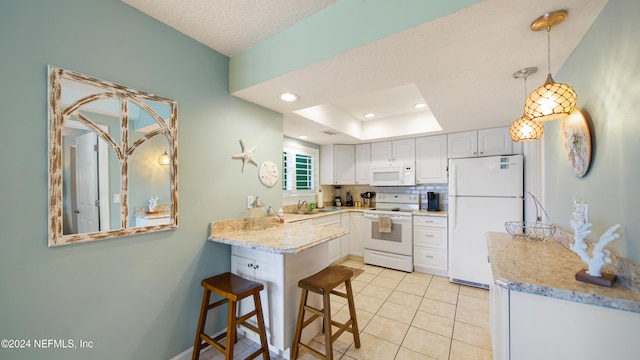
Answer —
299 170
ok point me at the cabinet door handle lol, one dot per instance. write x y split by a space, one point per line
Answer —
429 256
427 235
256 266
250 265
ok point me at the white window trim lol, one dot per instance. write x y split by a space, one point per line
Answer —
304 150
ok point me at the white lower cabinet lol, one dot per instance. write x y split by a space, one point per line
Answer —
528 326
430 244
356 233
267 270
344 240
280 298
335 244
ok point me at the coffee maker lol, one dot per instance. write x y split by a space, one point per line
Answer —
433 201
349 199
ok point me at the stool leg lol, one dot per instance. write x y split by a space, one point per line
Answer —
261 326
298 334
327 325
231 330
201 321
352 313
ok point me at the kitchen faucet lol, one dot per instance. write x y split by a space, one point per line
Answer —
301 204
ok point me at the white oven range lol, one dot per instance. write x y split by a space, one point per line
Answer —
391 247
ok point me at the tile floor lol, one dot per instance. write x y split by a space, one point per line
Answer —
404 316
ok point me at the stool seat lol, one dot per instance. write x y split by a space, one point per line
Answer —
326 279
324 283
232 288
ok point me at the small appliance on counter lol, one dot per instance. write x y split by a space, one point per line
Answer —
337 201
349 200
433 201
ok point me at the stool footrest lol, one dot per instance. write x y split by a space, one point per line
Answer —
313 351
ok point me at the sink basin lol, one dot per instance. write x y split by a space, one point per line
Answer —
329 209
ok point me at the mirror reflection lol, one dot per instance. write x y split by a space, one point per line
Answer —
107 178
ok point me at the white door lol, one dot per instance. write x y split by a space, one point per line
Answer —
87 183
470 218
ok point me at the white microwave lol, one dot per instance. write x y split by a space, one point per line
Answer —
393 174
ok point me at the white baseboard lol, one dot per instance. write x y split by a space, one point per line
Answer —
187 354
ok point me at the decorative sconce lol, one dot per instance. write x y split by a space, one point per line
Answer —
164 159
550 101
525 129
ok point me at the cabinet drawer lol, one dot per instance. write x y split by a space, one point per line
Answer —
435 221
429 257
435 237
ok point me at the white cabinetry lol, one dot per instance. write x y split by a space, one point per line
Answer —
280 298
337 165
356 234
430 244
335 245
392 151
344 240
258 266
363 164
562 329
431 159
486 142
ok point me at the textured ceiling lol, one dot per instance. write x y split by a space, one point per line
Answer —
460 64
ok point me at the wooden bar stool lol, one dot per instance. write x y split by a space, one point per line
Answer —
324 283
233 288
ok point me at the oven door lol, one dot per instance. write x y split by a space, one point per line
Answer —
398 241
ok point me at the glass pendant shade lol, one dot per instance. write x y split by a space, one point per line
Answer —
525 129
164 159
550 101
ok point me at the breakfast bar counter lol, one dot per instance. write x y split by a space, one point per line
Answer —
273 237
277 255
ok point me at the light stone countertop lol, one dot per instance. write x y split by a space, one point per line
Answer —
270 236
548 269
430 213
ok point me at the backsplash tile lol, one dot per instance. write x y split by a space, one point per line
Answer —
329 192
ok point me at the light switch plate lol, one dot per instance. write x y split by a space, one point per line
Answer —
250 200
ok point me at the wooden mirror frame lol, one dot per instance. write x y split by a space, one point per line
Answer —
59 114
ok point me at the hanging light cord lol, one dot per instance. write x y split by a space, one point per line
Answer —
549 48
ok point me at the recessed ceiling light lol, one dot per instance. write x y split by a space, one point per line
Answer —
419 105
302 137
288 97
369 115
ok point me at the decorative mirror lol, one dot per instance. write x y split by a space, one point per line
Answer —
113 160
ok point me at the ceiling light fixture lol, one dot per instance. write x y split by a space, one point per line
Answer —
550 101
302 137
369 115
288 97
420 105
525 129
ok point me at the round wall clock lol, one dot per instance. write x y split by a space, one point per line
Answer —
269 173
576 142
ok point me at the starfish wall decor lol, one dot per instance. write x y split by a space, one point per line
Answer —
246 156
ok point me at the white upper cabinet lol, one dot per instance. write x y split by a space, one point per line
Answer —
337 165
484 142
431 159
363 164
391 151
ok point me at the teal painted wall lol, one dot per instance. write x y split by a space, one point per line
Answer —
605 71
347 25
136 297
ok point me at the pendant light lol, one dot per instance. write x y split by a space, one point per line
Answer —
550 101
525 129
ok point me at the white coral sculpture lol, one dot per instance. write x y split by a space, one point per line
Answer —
600 256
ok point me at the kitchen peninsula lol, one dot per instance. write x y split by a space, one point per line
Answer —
278 255
534 295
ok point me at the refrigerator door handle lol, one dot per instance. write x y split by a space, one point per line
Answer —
453 210
453 180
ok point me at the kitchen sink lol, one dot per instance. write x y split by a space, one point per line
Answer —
315 211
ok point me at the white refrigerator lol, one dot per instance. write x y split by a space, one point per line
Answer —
484 193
